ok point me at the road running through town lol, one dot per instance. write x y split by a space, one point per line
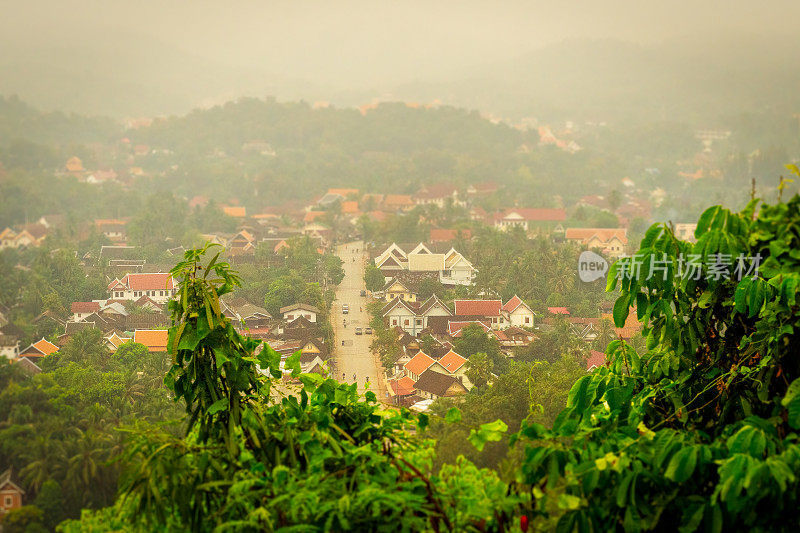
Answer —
354 360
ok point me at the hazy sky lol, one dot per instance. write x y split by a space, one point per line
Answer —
371 41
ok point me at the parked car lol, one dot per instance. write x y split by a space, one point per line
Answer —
358 331
368 331
363 293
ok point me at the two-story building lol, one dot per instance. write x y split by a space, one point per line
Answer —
529 219
158 286
291 312
612 241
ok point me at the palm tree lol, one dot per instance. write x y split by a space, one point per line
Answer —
46 458
82 467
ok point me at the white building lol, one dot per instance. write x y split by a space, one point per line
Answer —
158 286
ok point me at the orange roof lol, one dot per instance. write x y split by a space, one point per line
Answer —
451 361
74 164
311 216
155 281
343 192
154 339
45 346
403 386
350 207
419 363
558 310
234 211
398 200
109 221
445 235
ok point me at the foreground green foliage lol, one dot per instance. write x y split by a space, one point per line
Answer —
701 430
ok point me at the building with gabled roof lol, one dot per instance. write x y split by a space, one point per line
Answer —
437 194
40 348
9 346
612 241
397 288
482 308
402 386
596 359
433 385
159 286
116 339
154 339
528 219
418 365
403 314
398 202
451 362
81 310
434 306
291 312
518 313
10 493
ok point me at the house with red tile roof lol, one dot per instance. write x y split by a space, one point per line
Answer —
398 202
159 286
437 194
402 386
417 365
518 313
489 310
114 229
596 359
81 310
447 235
529 219
558 310
452 364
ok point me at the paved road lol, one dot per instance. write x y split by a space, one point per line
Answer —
354 357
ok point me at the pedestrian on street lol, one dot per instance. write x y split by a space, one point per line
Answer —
354 378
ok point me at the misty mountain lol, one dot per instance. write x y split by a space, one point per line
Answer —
616 81
129 75
689 80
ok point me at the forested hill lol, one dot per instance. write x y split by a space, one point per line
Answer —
20 121
389 127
